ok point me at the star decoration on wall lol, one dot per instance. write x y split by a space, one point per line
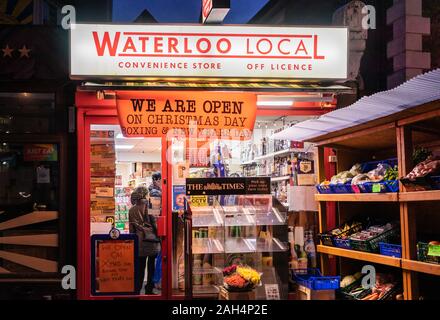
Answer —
24 52
7 52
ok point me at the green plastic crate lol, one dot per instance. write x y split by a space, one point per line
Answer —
372 245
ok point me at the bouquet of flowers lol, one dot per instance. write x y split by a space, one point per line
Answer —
240 278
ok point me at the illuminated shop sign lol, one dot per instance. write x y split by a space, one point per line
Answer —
198 51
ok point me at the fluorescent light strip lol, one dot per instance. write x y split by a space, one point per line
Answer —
124 146
120 136
273 103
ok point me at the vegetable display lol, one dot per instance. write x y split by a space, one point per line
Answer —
391 174
375 172
383 289
420 154
342 232
371 232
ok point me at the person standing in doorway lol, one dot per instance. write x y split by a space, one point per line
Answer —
144 226
155 189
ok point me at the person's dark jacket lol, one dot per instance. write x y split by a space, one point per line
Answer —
141 223
155 191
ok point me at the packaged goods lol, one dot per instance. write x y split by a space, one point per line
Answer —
430 166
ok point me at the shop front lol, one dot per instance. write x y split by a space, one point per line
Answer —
188 115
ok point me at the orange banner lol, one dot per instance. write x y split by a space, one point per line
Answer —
192 114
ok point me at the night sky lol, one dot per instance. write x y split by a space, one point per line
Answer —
182 11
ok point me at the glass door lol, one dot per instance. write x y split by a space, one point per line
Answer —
127 195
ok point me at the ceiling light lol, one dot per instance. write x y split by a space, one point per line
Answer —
274 103
124 146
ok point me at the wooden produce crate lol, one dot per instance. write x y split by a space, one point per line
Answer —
304 293
227 295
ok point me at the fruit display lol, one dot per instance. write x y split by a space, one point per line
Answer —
240 277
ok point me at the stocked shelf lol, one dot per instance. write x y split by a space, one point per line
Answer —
206 245
358 197
246 163
433 195
419 266
360 255
277 153
270 155
275 179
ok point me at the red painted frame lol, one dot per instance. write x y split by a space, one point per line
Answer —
85 119
90 110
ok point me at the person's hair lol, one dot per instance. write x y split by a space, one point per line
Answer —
156 176
138 194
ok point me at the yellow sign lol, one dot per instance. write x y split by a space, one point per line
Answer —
199 201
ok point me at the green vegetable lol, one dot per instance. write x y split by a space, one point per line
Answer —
420 154
391 173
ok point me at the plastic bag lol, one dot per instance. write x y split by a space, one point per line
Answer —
378 174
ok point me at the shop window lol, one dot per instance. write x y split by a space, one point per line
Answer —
29 208
27 113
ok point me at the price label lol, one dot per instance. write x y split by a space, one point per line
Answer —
376 188
272 291
434 250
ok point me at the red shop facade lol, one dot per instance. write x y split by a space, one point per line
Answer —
140 82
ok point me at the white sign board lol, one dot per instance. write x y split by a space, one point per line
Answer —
170 51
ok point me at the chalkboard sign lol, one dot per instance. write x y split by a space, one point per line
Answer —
114 264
